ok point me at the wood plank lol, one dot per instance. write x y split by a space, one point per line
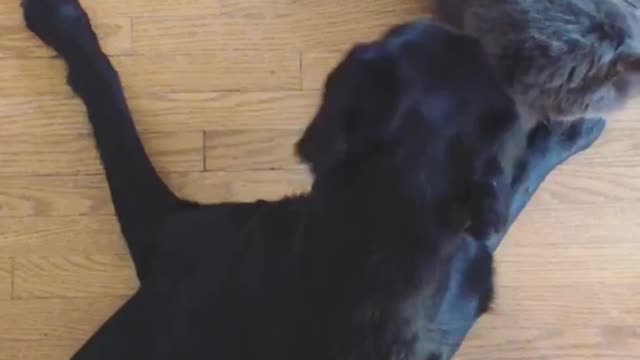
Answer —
569 225
238 150
165 112
270 185
531 305
244 186
73 276
6 277
581 185
50 329
54 195
313 8
570 265
618 147
226 111
332 28
88 194
626 118
152 8
565 246
316 66
223 71
60 236
76 154
145 75
18 42
99 9
33 77
507 341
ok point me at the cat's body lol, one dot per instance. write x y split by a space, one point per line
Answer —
561 59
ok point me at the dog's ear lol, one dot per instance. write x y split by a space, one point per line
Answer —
357 112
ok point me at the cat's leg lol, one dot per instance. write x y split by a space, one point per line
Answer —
548 145
140 197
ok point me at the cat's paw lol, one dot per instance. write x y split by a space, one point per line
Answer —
58 23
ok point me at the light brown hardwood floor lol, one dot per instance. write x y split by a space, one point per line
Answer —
220 90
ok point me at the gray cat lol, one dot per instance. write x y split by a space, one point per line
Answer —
561 59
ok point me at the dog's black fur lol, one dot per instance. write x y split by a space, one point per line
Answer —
387 256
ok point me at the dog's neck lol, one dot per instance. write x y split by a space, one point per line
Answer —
372 210
377 193
369 243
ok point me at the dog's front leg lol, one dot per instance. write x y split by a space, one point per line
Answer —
547 147
140 197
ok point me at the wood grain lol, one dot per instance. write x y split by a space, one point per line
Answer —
174 112
227 71
567 225
588 185
50 329
332 10
623 142
6 277
572 265
566 341
295 31
538 305
99 9
237 150
76 276
628 117
315 67
32 77
72 195
271 185
54 196
60 236
76 154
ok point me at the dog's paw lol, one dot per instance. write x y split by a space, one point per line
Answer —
490 194
565 138
58 23
581 134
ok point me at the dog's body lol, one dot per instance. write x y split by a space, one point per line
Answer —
389 255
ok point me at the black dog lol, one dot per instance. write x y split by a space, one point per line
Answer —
386 258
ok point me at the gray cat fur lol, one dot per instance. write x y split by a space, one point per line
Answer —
561 59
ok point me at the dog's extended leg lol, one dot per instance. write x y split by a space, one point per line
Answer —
140 197
547 147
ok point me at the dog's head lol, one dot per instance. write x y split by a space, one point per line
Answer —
422 100
419 76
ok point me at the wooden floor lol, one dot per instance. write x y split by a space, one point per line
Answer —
221 89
